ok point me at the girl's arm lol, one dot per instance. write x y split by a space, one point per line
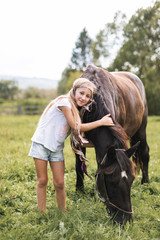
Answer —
105 121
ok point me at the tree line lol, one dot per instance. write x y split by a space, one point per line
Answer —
10 94
122 45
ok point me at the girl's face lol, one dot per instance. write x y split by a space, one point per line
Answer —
82 96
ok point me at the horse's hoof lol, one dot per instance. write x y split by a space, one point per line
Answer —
80 189
144 180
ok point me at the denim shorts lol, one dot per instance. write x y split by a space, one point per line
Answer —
37 150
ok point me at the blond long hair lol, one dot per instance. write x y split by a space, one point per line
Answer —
79 83
75 134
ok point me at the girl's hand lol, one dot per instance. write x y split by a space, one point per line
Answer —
106 121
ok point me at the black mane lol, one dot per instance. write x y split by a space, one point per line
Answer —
97 110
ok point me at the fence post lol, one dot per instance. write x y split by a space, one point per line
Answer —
19 110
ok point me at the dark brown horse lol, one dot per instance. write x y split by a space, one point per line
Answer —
122 94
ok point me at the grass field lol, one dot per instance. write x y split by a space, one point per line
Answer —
85 217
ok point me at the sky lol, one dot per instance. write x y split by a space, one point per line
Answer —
37 36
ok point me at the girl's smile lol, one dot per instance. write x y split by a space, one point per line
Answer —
82 96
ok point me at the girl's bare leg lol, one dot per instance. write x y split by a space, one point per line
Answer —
42 180
58 181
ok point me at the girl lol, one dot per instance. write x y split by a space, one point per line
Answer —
59 117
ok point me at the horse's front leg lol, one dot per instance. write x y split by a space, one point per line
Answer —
79 172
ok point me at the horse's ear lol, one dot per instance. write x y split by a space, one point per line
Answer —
109 157
132 150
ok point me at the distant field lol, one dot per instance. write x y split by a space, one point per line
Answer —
85 217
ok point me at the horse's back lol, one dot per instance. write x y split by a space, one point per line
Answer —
124 95
127 77
130 103
129 100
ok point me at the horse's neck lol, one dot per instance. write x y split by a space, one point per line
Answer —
102 139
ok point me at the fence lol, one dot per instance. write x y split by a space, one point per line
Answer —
21 109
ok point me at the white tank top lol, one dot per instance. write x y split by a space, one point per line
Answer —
53 128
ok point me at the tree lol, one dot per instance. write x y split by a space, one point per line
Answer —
71 78
68 77
99 49
81 54
89 51
63 82
108 40
140 52
81 57
32 92
8 89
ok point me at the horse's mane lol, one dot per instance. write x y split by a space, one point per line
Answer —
104 97
102 78
120 137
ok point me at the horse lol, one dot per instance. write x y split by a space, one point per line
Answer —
121 94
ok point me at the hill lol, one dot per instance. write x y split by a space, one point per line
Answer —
24 82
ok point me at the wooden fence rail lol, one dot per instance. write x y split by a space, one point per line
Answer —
21 109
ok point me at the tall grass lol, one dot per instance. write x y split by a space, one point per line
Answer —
85 217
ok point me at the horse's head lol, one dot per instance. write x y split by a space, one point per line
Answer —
114 178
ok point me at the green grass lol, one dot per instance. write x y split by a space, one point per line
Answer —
85 217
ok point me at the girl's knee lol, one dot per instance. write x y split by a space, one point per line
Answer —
42 182
59 185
